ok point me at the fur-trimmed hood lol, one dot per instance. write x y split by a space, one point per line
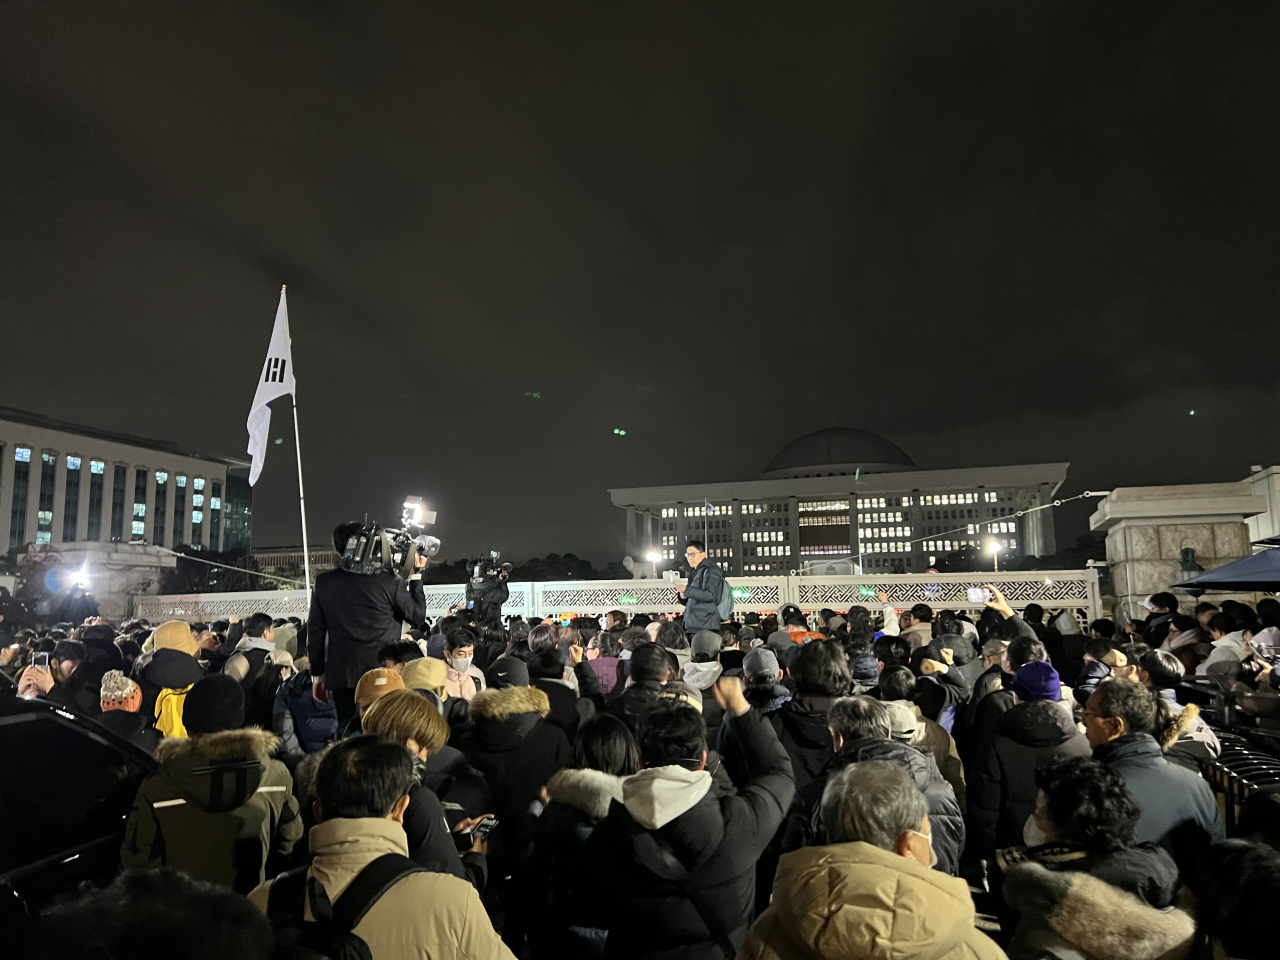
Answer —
1181 726
590 791
217 772
508 702
1097 919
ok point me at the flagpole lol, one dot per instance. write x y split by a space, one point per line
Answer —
302 496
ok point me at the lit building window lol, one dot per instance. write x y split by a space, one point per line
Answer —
197 516
97 466
73 463
139 528
162 477
139 509
197 499
198 483
22 454
182 481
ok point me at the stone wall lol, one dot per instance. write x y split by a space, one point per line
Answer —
116 572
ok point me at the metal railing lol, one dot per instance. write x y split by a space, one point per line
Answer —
1056 589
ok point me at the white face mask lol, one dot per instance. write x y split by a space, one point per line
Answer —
1032 835
460 663
933 854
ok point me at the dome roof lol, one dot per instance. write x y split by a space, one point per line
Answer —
835 451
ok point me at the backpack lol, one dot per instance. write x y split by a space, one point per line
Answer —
314 724
724 606
169 704
331 935
259 686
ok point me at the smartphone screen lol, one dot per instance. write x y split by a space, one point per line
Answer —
40 661
977 595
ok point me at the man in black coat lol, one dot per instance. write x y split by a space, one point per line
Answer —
569 708
860 731
1178 809
650 669
352 615
672 867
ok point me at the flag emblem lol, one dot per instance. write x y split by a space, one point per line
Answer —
275 370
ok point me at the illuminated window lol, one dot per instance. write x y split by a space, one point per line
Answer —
198 483
162 477
182 481
197 516
73 463
48 481
197 499
22 454
139 529
139 509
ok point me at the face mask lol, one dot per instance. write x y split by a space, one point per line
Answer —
1032 835
460 663
933 854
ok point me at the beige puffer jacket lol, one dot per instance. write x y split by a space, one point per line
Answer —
856 901
425 915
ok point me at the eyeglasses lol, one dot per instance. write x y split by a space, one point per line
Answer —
692 553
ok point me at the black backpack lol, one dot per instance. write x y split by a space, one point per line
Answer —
259 686
330 936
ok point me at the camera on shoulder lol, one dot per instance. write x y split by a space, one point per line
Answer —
378 549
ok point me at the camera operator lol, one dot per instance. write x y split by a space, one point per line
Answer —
352 615
487 589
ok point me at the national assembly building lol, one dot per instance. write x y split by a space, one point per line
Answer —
846 494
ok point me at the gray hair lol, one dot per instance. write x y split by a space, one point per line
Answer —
875 801
859 718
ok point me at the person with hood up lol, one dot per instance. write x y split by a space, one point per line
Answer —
940 686
1002 780
671 869
580 795
517 750
121 700
362 793
172 664
821 675
701 593
701 673
219 805
871 891
763 677
1086 888
861 731
651 667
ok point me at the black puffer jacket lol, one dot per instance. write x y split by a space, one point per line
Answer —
804 821
635 702
166 669
1145 870
801 725
1002 782
132 727
717 842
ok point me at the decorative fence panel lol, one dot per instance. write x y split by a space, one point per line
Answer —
1076 590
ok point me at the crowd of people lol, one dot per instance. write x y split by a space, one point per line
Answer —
860 783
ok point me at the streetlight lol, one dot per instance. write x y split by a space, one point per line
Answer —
653 557
995 555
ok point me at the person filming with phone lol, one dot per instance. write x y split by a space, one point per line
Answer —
61 678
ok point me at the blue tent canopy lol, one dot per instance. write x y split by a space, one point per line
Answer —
1260 572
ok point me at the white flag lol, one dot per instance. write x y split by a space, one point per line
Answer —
276 381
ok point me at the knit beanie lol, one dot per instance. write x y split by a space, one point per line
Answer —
704 641
1037 680
120 693
175 635
376 684
214 704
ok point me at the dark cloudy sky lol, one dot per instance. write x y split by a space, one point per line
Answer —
993 232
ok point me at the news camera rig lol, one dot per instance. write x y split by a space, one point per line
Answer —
378 549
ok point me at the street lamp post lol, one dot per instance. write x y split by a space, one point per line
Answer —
995 555
653 557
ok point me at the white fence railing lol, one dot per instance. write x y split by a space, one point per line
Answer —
1056 589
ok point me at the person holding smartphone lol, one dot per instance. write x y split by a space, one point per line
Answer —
58 676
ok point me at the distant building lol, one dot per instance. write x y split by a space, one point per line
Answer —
287 561
65 483
846 493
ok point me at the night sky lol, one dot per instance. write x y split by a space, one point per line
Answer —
995 233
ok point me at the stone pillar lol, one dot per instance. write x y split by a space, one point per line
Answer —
631 533
1148 528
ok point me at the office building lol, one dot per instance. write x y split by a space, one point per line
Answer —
65 483
844 493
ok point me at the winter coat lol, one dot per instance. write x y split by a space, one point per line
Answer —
132 727
1178 809
853 900
460 787
166 669
511 743
702 598
302 724
989 681
804 820
940 695
766 697
1187 740
918 635
397 927
933 741
702 677
79 692
352 614
671 812
635 702
1093 673
1002 781
1072 915
568 710
431 841
559 925
1144 869
801 725
216 809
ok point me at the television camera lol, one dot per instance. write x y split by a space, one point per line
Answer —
487 587
378 549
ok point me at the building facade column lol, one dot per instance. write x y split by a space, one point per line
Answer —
631 533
